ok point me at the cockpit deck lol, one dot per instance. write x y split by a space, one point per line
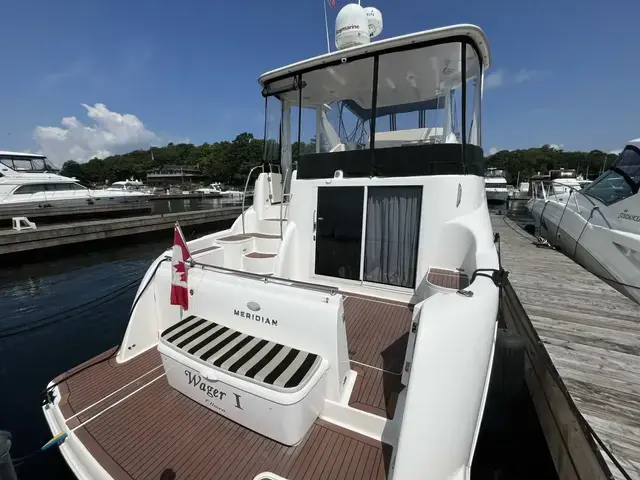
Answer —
136 426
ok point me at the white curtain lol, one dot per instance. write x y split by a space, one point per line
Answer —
391 244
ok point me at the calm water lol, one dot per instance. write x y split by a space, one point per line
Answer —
190 204
28 361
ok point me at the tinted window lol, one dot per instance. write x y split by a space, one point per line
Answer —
21 164
29 189
610 188
65 186
629 162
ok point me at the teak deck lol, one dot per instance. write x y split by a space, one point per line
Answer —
158 433
591 333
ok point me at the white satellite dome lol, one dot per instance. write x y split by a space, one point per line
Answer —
374 18
352 27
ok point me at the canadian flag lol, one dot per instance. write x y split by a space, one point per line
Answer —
179 256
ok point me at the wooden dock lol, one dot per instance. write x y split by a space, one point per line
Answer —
583 356
12 242
54 213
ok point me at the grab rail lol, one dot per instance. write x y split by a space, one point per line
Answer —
577 192
244 194
284 195
263 278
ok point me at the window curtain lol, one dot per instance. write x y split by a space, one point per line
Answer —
391 246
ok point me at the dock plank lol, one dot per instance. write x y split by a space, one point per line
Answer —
591 333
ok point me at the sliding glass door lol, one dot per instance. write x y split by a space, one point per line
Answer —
339 232
388 252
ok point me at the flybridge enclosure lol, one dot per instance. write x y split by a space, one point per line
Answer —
11 162
344 110
472 33
558 174
494 173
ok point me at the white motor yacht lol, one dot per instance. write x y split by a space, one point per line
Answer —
495 183
597 225
30 180
343 326
219 189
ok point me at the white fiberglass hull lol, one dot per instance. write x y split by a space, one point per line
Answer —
497 195
104 198
609 253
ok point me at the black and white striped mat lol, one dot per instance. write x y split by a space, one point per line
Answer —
265 362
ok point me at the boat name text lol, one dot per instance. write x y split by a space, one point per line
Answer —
628 216
195 380
257 318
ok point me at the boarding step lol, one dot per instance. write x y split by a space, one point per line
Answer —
272 226
274 211
238 245
259 262
270 388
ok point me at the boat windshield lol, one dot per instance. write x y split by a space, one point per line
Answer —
495 173
620 181
340 108
25 163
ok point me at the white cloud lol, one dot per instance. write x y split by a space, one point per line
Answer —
502 77
555 146
110 134
616 152
526 74
494 79
493 150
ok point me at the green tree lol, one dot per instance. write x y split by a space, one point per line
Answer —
73 169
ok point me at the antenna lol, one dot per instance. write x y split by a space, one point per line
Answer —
326 25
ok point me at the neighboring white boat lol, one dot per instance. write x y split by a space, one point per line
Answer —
598 225
219 189
495 183
30 180
130 186
340 310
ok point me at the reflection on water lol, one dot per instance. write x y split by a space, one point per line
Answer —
190 204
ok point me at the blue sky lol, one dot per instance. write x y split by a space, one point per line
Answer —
564 72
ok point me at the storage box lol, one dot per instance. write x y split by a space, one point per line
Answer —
284 416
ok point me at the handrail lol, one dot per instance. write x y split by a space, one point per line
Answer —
244 194
284 184
573 190
264 278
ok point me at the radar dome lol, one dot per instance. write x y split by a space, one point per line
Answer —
374 18
352 27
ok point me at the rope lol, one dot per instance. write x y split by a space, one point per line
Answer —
589 427
538 243
59 438
47 391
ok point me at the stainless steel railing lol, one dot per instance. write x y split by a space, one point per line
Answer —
284 195
574 193
331 290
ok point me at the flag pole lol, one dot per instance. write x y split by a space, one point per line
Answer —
326 25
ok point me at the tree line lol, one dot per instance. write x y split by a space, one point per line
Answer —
229 162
